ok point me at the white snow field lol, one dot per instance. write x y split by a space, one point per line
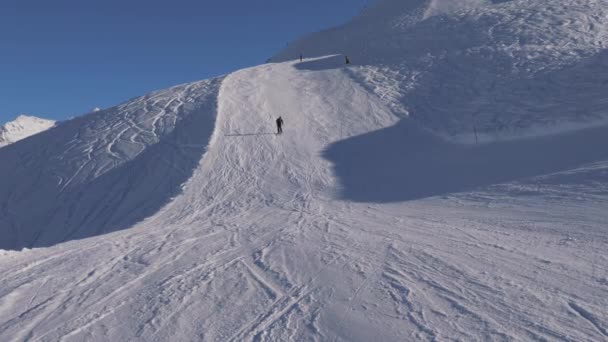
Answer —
181 216
22 127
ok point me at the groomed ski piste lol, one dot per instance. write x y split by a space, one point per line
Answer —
182 216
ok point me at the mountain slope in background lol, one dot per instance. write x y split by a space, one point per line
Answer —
502 70
181 215
22 127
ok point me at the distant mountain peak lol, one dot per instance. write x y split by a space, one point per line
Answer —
22 127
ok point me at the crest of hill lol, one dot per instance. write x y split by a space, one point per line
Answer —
499 69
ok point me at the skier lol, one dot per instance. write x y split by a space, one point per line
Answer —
279 125
346 60
301 57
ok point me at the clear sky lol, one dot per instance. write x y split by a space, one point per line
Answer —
61 58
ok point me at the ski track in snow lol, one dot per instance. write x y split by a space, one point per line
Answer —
181 216
256 247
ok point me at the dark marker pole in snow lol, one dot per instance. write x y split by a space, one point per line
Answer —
475 129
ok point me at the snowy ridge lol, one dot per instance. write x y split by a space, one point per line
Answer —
22 127
505 69
181 215
92 173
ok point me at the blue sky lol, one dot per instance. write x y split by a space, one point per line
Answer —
61 58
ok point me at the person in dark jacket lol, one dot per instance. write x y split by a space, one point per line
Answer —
279 125
346 60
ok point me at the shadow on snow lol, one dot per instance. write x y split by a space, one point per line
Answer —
113 201
248 134
321 63
404 162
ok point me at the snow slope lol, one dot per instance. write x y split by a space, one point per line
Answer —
22 127
506 69
106 170
259 245
190 220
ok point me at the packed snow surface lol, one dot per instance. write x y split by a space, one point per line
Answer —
182 216
22 127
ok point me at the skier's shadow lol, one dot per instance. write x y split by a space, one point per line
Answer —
321 63
248 134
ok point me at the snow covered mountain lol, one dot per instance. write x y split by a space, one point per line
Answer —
181 216
22 127
504 68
